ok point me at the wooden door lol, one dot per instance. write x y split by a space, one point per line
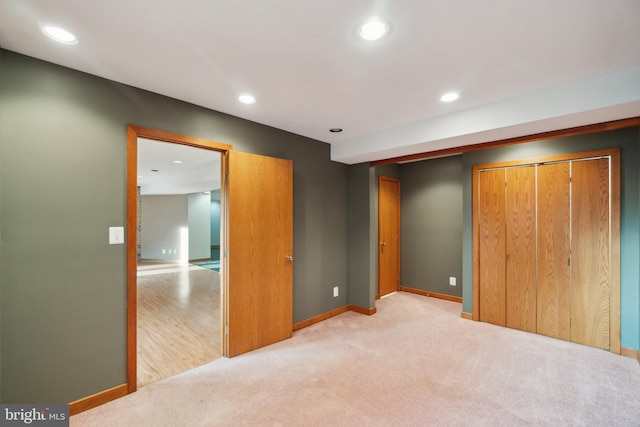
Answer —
259 270
521 248
388 235
492 249
590 260
554 251
571 281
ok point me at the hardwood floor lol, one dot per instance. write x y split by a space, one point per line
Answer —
178 319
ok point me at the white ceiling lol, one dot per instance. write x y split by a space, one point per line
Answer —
158 172
521 67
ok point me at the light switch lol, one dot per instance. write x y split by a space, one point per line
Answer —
116 235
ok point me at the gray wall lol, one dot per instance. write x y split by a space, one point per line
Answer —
199 226
63 287
163 220
431 225
362 267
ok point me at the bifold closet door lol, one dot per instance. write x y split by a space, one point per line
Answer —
554 250
492 251
591 261
520 209
547 247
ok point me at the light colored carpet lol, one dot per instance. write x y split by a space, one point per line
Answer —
414 363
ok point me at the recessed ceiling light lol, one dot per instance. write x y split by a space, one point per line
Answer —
177 161
335 130
374 29
247 99
60 35
448 97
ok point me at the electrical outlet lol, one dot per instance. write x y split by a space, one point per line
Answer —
452 281
335 291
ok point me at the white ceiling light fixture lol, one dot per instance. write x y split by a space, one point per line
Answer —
448 97
374 29
247 99
59 34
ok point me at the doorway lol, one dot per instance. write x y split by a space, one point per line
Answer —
178 250
178 278
388 235
256 229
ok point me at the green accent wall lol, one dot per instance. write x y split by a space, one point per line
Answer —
63 184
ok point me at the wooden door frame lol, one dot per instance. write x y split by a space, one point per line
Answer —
614 188
133 133
396 180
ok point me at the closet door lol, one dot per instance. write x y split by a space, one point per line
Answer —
521 248
547 246
492 251
590 269
554 251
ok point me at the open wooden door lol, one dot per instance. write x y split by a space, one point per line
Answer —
259 258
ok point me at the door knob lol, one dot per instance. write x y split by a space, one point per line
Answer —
383 243
289 258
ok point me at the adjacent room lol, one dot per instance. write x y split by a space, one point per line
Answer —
178 259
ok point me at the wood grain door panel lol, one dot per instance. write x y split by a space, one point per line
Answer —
492 251
554 251
520 239
590 269
260 240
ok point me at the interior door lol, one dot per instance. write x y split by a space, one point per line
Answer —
388 235
259 258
